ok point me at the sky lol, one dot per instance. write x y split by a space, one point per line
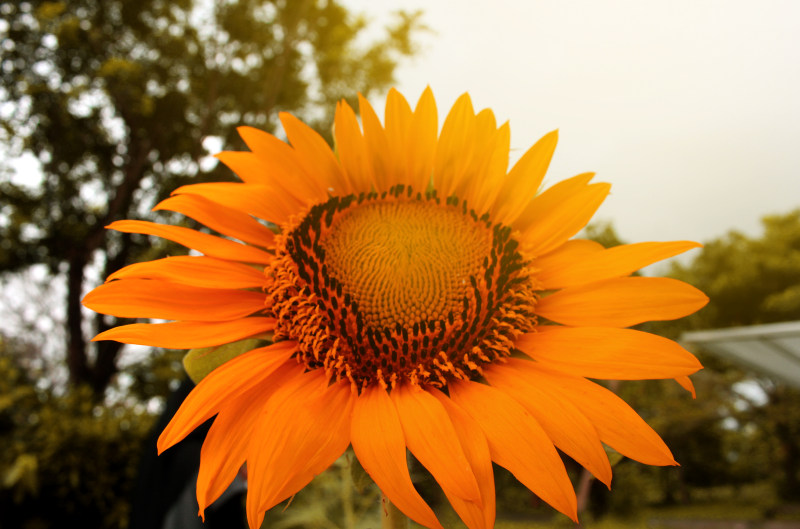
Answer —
690 109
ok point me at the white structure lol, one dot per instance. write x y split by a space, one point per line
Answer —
772 349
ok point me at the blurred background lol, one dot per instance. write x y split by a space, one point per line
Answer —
689 109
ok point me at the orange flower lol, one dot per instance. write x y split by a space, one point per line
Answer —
419 296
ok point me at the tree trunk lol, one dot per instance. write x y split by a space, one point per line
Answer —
77 362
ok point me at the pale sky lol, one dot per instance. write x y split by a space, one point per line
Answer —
689 108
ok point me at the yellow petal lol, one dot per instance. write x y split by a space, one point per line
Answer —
622 302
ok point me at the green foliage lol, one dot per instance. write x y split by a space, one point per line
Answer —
748 280
200 362
65 460
602 232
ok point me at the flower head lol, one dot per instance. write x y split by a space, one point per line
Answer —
419 296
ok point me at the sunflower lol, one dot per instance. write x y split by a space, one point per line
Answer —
418 295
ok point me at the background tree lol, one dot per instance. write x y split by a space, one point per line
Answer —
701 432
751 281
115 100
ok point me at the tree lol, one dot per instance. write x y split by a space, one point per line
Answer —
115 99
749 280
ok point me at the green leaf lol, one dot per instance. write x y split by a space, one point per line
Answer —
614 457
200 362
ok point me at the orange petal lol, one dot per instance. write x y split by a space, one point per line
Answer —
265 439
378 442
552 224
225 446
195 270
608 353
456 147
315 155
523 181
281 168
398 126
227 221
432 439
568 428
377 146
482 141
566 254
228 381
493 171
613 262
202 242
153 298
476 449
687 385
352 148
187 334
422 142
304 428
622 302
330 424
616 423
550 198
518 443
247 166
262 202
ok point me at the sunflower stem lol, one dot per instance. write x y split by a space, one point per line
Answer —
392 517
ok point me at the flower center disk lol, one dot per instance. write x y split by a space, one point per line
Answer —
382 288
405 262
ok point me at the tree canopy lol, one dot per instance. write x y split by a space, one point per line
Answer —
115 100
